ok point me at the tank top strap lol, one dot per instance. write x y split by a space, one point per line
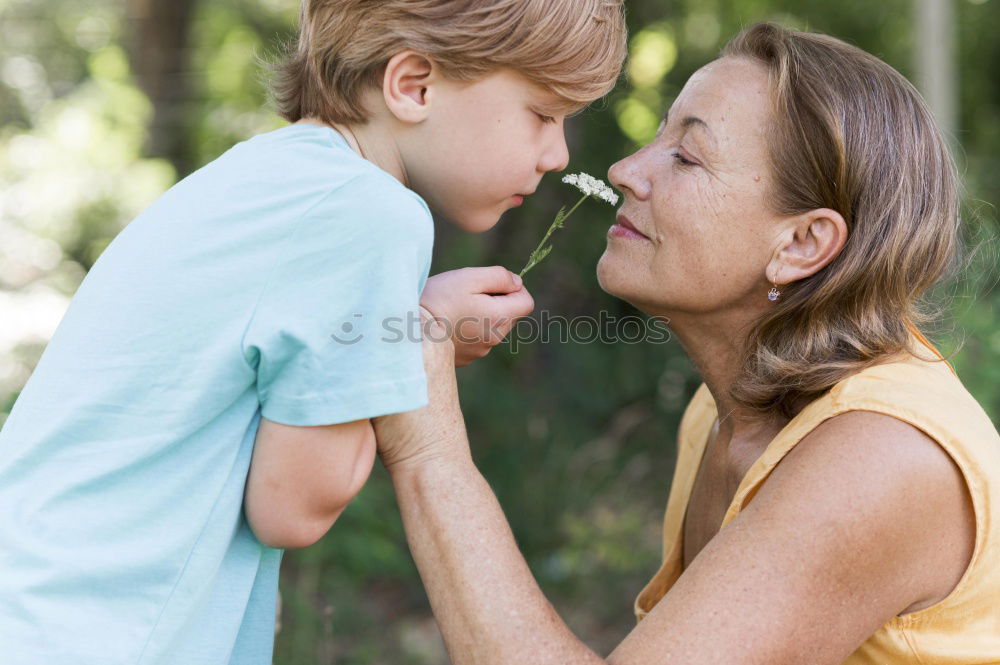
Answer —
919 336
692 437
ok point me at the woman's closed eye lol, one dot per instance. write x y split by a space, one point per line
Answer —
682 160
547 119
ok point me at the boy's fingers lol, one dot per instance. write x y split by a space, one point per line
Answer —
494 279
512 305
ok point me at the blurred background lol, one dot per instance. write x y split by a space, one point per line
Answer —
105 104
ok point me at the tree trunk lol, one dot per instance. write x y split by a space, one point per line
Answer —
935 61
159 54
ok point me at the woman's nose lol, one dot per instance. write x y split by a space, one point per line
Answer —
627 176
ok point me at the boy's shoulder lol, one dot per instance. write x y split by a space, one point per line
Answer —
318 158
295 171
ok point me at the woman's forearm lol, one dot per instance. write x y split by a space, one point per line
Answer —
487 603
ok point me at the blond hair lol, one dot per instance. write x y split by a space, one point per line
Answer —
575 48
851 134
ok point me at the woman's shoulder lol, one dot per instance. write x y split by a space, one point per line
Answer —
913 415
919 386
912 421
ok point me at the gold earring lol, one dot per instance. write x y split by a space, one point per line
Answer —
774 293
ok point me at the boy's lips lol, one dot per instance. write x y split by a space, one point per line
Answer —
519 198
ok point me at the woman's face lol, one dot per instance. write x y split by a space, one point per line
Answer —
697 196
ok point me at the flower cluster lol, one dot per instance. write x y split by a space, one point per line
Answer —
591 186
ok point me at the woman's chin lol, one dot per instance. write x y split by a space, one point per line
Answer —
610 275
619 279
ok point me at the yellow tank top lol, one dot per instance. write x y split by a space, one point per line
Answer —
962 629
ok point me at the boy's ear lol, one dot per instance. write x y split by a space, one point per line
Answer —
406 85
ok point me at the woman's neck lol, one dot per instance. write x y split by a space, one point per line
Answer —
715 348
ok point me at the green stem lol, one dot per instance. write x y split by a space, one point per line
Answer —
531 261
575 207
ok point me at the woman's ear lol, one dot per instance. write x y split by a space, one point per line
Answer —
406 85
811 241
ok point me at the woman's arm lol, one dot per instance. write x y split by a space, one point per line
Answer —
484 597
853 526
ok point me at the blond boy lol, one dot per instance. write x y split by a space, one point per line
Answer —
254 312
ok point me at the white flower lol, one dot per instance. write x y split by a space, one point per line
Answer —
592 186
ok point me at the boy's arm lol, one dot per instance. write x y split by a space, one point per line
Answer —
302 478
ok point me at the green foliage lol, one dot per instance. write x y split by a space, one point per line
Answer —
576 439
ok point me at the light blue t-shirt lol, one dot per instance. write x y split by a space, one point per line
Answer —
281 279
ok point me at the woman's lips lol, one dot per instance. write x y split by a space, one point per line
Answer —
624 229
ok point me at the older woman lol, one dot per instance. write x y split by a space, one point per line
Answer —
836 486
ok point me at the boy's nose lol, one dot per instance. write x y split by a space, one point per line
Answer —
556 157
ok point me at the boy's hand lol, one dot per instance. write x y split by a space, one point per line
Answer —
477 307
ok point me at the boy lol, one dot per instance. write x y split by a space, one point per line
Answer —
245 315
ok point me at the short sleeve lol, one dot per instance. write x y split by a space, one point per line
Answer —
335 334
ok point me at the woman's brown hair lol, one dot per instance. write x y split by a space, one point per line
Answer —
849 133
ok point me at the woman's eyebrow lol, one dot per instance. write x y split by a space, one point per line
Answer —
693 121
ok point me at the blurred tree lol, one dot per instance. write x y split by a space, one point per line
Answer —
159 51
934 59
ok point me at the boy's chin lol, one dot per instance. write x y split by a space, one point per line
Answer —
474 223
